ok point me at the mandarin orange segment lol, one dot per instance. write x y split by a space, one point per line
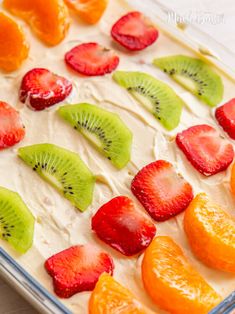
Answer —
48 19
172 282
211 233
109 297
232 180
88 10
13 47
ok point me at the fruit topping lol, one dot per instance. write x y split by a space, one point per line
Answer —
63 169
225 115
134 31
157 97
49 21
40 88
211 233
13 47
161 190
89 11
172 282
124 227
16 221
194 75
77 269
12 130
105 130
91 59
110 297
207 151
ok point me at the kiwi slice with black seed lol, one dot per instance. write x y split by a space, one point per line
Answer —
156 96
63 169
195 75
105 130
16 221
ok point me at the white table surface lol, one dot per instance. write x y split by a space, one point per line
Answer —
10 301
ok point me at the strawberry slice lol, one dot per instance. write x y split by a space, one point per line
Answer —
121 225
225 115
163 192
207 151
77 269
134 31
92 59
12 130
40 88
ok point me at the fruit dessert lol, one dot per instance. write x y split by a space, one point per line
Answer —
106 154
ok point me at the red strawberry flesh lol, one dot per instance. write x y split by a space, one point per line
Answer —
225 115
123 226
40 88
206 150
12 130
77 269
92 59
161 191
134 31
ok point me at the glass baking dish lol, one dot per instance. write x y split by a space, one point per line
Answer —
201 44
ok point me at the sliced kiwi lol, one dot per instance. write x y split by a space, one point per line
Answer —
195 75
105 130
16 221
156 96
63 169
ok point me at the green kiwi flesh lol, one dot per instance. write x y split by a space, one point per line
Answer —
63 169
105 130
154 95
16 221
194 75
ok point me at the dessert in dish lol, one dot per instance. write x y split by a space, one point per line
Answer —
123 152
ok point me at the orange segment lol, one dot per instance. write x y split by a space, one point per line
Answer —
232 180
172 282
211 233
89 10
109 297
48 19
13 47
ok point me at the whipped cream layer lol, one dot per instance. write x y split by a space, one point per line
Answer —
58 224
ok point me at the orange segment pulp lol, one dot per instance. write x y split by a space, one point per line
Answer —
232 180
88 10
172 282
13 47
109 297
48 19
211 233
